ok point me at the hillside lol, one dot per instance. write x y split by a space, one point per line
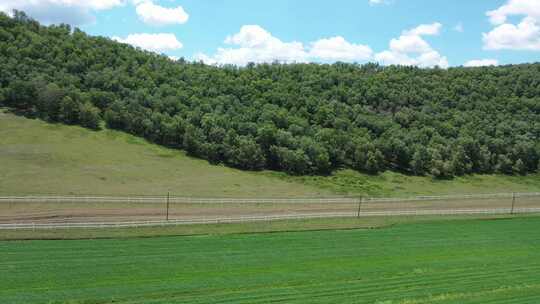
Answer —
302 119
43 158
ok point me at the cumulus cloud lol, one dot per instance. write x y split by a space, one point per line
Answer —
152 42
524 35
79 12
424 29
411 48
154 14
409 44
255 44
339 49
74 12
481 62
514 8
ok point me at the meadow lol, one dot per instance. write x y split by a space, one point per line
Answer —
43 158
451 261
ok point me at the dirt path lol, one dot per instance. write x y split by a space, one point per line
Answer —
80 212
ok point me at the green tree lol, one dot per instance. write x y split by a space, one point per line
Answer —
69 111
89 116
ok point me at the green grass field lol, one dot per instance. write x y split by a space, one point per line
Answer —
452 261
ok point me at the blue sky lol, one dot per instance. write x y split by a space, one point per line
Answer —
416 32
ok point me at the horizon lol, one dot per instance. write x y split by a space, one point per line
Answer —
416 33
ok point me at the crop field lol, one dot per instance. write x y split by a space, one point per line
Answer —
453 261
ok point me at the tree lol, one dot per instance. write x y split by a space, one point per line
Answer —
319 159
440 167
193 140
48 101
89 116
69 111
368 158
420 161
298 118
247 154
291 161
21 95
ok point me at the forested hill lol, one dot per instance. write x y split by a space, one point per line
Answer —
298 118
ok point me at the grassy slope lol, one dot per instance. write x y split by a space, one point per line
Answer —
41 158
475 261
391 184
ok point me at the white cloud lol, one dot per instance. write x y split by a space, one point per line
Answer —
74 12
515 8
153 14
424 29
255 44
481 62
79 12
339 49
409 44
523 36
152 42
411 48
205 58
389 58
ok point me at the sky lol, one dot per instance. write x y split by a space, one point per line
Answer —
424 33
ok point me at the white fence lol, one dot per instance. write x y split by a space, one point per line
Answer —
361 207
137 224
192 200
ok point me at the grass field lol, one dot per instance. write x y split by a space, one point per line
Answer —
452 261
41 158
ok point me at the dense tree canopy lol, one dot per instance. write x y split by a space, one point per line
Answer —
298 118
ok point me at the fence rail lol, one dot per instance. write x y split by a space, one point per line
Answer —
193 200
112 212
137 224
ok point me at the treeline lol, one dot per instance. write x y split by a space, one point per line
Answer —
298 118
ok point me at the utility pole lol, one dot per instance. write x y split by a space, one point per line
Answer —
359 206
513 203
167 217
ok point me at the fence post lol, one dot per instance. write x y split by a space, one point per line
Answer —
167 217
359 206
513 203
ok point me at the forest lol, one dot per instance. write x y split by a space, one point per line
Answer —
302 119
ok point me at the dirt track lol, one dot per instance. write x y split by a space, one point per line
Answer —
80 212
